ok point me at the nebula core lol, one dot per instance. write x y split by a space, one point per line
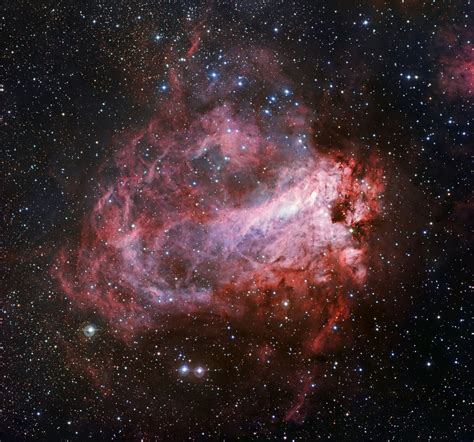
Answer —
222 207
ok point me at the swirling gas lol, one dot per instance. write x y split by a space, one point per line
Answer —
223 205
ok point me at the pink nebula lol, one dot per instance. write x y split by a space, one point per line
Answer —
222 209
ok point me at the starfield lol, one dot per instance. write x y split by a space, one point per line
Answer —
237 220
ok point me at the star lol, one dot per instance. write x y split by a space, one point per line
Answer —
89 330
183 370
199 371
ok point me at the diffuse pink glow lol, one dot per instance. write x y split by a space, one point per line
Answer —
456 65
227 212
457 75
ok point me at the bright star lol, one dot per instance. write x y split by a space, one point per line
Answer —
89 330
199 371
183 370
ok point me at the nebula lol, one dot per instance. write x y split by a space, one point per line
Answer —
456 64
237 220
457 77
224 206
